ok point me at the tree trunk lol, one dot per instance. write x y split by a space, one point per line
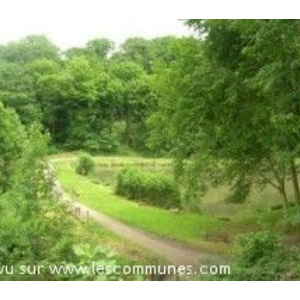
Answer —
295 182
128 133
53 128
281 180
282 191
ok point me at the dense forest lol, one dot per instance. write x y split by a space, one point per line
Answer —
97 98
223 104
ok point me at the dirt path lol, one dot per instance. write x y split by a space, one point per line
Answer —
173 252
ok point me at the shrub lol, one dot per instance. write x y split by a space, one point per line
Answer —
292 220
257 246
85 164
154 189
89 258
262 256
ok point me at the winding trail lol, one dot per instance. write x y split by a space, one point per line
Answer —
176 253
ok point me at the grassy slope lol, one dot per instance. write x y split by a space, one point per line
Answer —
189 228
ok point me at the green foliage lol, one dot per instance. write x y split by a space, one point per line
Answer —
135 98
12 136
29 49
101 47
16 91
85 164
34 228
88 258
154 189
292 220
225 106
257 246
262 256
82 96
232 98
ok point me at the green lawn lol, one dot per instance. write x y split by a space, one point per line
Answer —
114 161
188 228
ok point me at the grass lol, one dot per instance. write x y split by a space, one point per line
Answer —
187 228
97 192
114 161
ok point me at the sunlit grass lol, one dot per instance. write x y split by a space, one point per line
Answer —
184 227
217 216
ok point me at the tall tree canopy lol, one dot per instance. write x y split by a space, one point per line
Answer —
236 110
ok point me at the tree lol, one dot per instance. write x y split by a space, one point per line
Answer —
16 80
29 49
136 99
148 52
33 225
101 47
137 50
231 107
98 48
16 91
11 145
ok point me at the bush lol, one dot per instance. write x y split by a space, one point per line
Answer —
262 256
292 220
85 164
257 246
154 189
